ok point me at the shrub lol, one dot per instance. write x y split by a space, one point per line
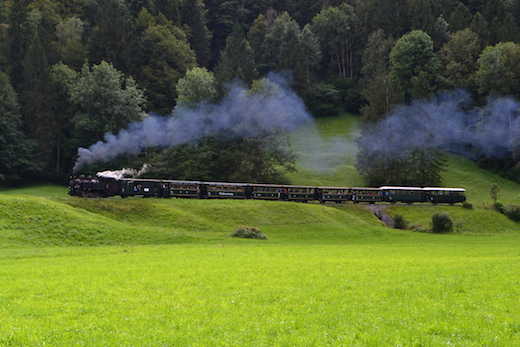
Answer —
513 213
248 232
498 206
467 205
441 222
324 100
400 222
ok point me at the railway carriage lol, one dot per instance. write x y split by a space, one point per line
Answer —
445 195
181 189
333 194
370 195
267 191
300 193
407 195
139 187
224 190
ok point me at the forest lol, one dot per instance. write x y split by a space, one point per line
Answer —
73 70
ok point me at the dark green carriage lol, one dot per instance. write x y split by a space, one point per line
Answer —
445 195
299 193
221 190
267 191
138 187
181 189
407 195
370 195
333 194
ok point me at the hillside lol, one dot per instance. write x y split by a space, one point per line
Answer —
45 215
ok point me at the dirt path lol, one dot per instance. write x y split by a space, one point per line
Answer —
379 212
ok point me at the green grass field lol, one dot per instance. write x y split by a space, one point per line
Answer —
165 272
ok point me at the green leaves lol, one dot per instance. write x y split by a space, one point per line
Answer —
105 101
414 65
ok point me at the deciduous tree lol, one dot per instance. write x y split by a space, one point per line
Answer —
414 65
459 59
334 28
105 101
499 69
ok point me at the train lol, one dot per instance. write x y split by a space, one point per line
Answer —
86 186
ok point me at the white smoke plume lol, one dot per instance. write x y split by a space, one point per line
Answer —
118 174
238 114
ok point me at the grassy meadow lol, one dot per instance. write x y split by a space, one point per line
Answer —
165 272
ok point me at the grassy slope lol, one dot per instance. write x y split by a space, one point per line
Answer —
44 215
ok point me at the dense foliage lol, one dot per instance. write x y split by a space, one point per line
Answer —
73 70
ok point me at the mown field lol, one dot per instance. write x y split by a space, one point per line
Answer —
165 272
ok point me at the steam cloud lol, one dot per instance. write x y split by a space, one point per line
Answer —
448 121
238 114
118 174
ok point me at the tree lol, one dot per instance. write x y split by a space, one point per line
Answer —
18 39
199 36
422 17
390 153
441 33
72 50
283 50
112 39
256 37
16 151
63 78
509 31
171 9
460 19
198 85
167 58
37 102
499 69
414 66
379 89
480 26
311 51
459 59
105 101
236 61
389 16
334 29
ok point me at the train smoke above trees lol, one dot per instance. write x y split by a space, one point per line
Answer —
239 114
449 122
410 136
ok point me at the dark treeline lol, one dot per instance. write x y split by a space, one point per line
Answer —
70 71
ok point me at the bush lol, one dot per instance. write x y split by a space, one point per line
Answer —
248 232
499 207
513 213
467 205
441 222
324 100
400 222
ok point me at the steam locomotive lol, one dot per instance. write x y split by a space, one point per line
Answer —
127 187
